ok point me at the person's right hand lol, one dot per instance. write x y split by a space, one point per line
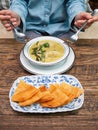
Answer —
8 15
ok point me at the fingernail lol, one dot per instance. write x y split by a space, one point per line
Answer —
8 16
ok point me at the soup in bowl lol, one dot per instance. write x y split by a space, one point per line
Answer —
46 51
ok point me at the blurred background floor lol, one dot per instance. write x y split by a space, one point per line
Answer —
4 33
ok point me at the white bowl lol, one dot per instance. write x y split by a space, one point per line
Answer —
45 64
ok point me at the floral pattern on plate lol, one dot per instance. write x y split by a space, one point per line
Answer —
38 80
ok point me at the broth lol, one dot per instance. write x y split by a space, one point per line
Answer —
46 51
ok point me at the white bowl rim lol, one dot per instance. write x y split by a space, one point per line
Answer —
28 44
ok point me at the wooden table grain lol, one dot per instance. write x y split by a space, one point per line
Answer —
85 68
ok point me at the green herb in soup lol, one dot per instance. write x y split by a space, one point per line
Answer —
46 51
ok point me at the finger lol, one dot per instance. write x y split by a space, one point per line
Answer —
15 24
83 16
5 12
79 23
9 29
4 22
94 19
4 17
14 21
87 26
86 16
7 25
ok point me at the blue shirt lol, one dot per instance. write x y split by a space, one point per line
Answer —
52 16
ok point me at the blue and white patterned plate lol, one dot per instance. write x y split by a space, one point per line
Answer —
37 80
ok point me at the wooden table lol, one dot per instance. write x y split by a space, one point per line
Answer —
85 69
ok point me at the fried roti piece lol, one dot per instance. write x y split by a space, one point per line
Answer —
43 88
71 91
31 100
60 98
21 87
66 88
25 94
52 88
80 92
46 96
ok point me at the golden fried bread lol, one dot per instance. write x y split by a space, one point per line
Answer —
31 100
60 98
46 96
52 88
42 88
21 87
69 89
55 96
66 88
25 94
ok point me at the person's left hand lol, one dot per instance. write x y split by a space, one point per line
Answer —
81 17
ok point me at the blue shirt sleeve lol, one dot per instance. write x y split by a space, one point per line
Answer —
21 8
75 7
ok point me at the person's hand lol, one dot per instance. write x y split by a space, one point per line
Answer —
81 17
8 15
